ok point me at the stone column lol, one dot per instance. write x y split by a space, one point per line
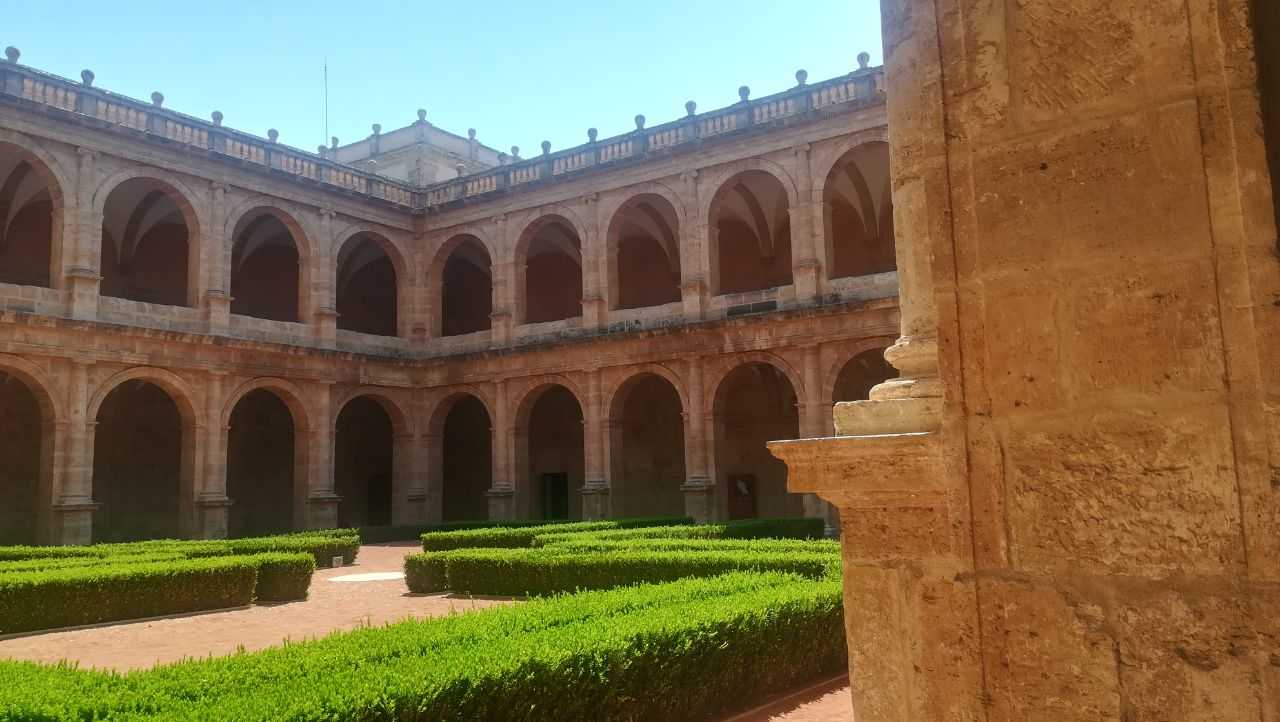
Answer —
502 317
321 502
215 247
813 412
431 459
85 236
502 494
806 271
693 269
323 300
698 488
595 259
74 506
409 486
212 504
595 492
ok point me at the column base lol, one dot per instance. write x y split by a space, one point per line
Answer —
414 510
595 502
322 511
212 512
502 504
74 524
699 500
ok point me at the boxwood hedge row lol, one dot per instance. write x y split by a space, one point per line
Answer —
512 536
683 650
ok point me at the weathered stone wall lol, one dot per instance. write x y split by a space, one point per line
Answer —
1090 527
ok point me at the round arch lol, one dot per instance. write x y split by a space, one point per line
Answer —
619 199
550 455
23 263
440 322
616 394
169 382
27 478
288 392
749 246
400 423
838 150
59 180
535 386
732 363
303 242
460 463
372 315
847 354
638 282
721 175
37 382
444 404
146 181
281 504
558 294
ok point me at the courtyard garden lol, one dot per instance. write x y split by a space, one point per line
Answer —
622 619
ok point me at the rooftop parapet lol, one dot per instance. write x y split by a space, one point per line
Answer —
864 86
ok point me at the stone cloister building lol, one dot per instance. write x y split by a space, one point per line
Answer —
205 332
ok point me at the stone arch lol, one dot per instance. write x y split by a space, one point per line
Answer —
550 455
749 246
755 401
833 153
372 454
256 455
371 317
645 454
716 178
289 305
400 420
116 445
848 353
637 372
857 213
27 452
460 464
638 276
557 271
152 188
730 363
456 307
35 271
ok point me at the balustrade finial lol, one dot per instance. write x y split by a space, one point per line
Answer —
690 108
333 142
546 147
12 54
639 122
864 58
471 133
744 93
461 168
217 117
272 135
422 115
377 128
86 77
502 158
515 153
157 99
320 149
591 135
802 75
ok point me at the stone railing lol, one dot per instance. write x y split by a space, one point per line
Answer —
156 122
861 87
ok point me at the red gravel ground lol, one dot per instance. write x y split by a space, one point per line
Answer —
331 607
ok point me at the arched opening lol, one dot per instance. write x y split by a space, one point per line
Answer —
466 289
20 462
147 229
466 462
137 464
550 450
29 200
755 404
362 463
860 374
261 465
265 267
646 449
858 213
549 262
750 234
366 287
644 253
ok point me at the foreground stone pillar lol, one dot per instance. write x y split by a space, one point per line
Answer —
1064 508
74 506
212 504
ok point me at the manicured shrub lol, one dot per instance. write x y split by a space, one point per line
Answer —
109 591
283 577
582 543
688 650
520 572
523 536
782 528
41 563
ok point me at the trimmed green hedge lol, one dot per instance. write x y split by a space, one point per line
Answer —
283 577
508 537
687 650
109 592
414 532
580 543
781 528
520 572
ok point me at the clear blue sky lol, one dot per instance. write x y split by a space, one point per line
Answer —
518 72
